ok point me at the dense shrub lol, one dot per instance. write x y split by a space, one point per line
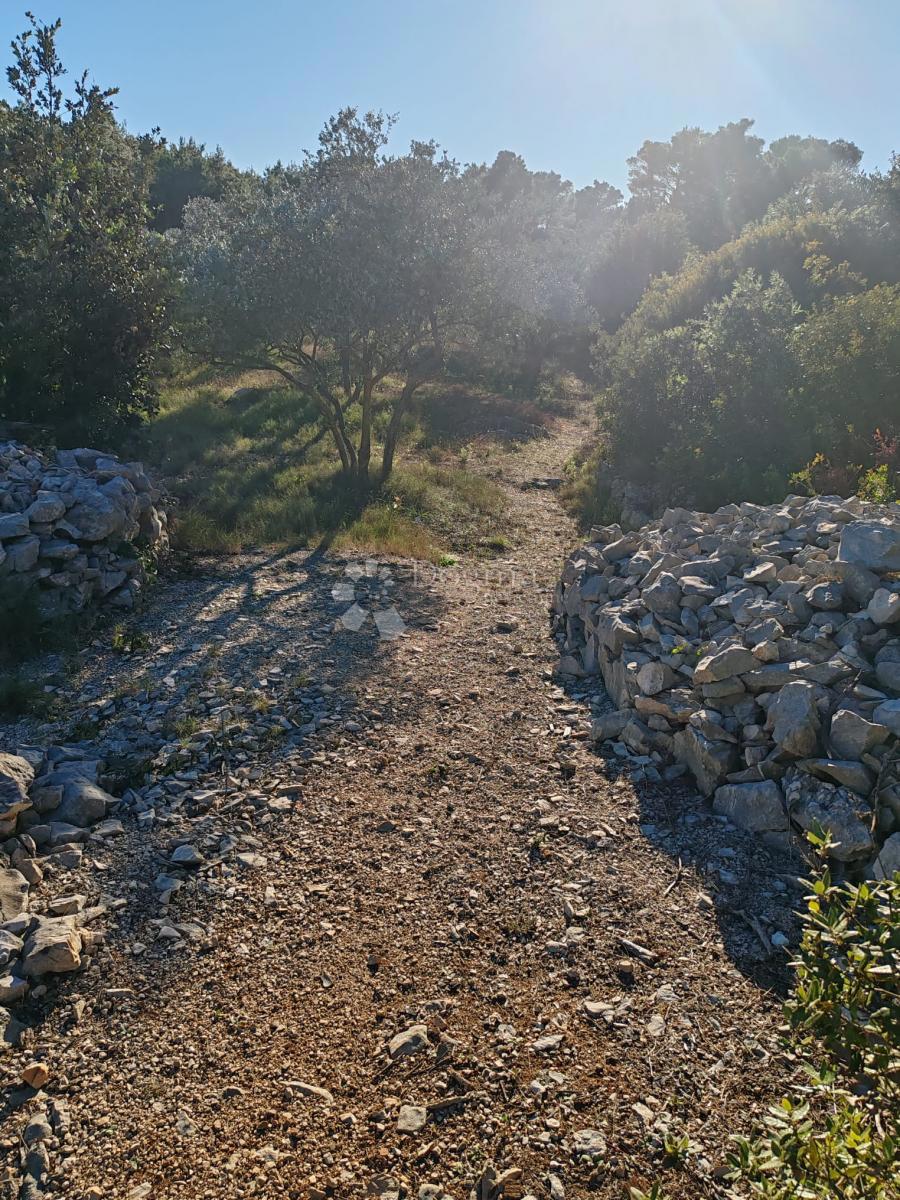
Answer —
182 171
82 289
839 1138
709 404
767 358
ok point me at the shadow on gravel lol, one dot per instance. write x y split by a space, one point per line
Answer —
754 892
332 618
285 611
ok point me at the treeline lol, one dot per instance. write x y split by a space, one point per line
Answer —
737 314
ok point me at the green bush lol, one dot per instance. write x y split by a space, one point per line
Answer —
25 631
879 485
779 348
840 1137
82 288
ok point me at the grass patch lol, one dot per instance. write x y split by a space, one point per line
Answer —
382 529
248 465
582 495
452 414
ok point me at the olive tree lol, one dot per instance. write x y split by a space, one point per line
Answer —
336 274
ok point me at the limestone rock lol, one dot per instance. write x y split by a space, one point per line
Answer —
888 715
16 775
409 1041
10 946
794 719
13 893
67 535
851 735
589 1143
884 607
887 666
844 817
849 774
758 646
887 864
871 544
411 1118
83 803
52 947
13 525
654 677
756 807
708 760
734 660
12 988
610 725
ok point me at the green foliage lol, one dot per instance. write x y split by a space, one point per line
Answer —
336 274
582 493
743 305
22 628
878 485
181 172
632 255
677 1147
709 404
840 1138
654 1193
848 351
526 301
127 639
767 353
829 1147
847 997
720 181
820 477
249 466
82 288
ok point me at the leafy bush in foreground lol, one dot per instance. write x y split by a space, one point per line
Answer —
840 1139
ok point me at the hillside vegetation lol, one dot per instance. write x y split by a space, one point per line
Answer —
736 315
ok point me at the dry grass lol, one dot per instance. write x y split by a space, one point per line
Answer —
247 465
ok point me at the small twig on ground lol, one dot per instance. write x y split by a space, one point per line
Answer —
675 882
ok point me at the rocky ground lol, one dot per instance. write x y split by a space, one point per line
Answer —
380 920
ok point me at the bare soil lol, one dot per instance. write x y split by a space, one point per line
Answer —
445 849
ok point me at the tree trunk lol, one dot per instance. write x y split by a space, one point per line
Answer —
345 363
401 404
365 432
341 443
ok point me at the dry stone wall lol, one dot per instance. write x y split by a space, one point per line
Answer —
51 804
758 648
69 526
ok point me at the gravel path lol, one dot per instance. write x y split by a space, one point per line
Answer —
434 939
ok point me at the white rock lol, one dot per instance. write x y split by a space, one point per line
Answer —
884 607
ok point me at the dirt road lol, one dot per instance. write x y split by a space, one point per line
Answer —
432 938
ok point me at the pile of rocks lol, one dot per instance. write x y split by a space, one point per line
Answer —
69 526
758 648
51 804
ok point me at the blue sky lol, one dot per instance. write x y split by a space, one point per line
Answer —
572 85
